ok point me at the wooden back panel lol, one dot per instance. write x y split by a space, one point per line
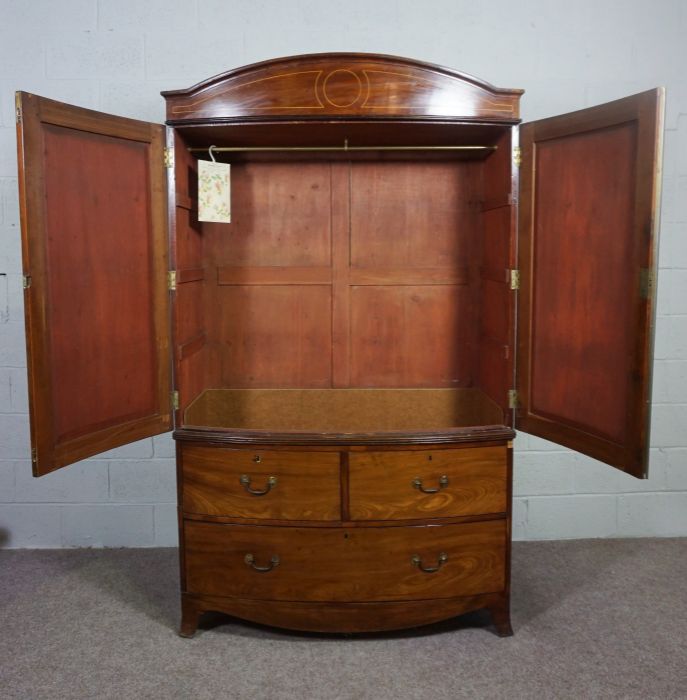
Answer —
95 247
337 274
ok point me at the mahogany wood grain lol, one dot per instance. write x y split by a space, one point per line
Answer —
307 486
410 336
188 240
189 311
408 276
345 522
193 274
341 271
356 564
339 85
495 362
273 274
413 214
494 369
233 437
382 483
588 229
192 346
340 617
275 335
94 243
280 217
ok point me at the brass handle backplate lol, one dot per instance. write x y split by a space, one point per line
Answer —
443 483
250 561
245 482
415 560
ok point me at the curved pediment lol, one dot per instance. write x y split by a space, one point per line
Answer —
342 85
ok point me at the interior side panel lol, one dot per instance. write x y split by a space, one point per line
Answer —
193 368
496 312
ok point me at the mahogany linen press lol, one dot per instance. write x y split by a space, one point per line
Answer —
409 275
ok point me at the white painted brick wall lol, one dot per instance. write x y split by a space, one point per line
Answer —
116 55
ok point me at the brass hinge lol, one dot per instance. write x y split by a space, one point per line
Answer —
514 279
168 157
513 400
517 156
172 280
647 280
175 400
17 107
26 281
34 458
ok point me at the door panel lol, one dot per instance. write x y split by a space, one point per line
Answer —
587 249
95 248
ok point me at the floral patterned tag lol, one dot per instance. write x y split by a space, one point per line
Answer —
214 191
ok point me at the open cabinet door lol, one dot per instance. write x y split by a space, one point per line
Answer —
94 237
587 258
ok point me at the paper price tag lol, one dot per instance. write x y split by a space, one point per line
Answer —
214 191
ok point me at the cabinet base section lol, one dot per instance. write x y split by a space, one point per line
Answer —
345 617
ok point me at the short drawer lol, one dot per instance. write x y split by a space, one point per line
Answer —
345 564
428 483
279 485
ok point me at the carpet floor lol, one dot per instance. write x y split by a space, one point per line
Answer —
592 619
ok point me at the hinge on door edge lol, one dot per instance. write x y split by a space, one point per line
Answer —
26 281
168 157
34 458
175 400
17 107
514 279
512 398
517 156
172 280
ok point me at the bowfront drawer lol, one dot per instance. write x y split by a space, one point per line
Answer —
345 564
428 483
279 485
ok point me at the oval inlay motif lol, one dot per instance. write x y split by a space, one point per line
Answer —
342 88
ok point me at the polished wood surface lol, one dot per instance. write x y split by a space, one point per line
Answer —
382 485
353 328
339 85
342 617
94 242
588 207
307 483
356 564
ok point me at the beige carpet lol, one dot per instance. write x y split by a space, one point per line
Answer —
592 619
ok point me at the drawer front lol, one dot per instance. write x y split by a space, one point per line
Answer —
388 485
277 485
345 564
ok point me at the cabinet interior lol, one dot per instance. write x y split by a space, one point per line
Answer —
352 292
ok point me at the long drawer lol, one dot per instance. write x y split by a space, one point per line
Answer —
279 485
345 564
427 483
